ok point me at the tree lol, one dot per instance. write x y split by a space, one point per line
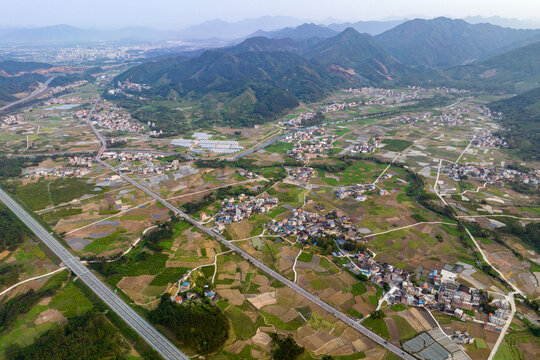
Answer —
386 287
286 348
378 314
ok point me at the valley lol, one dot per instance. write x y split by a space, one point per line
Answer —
348 198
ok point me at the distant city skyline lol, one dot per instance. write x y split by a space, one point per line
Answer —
179 14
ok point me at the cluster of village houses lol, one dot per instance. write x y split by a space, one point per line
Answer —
247 174
60 172
59 89
449 119
128 86
339 106
413 119
377 96
184 292
304 134
243 207
11 120
437 291
453 118
314 148
80 167
298 120
356 192
367 146
486 140
116 120
63 100
307 225
302 174
149 163
490 174
478 109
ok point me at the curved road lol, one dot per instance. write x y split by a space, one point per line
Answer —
159 342
35 93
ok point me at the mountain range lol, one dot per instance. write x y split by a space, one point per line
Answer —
514 71
444 42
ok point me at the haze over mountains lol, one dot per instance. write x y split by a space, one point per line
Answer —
304 63
263 76
268 26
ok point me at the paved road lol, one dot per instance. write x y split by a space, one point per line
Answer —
161 344
365 331
35 93
509 297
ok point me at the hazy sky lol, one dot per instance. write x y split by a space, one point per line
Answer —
176 14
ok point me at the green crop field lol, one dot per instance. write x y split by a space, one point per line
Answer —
305 257
378 326
396 144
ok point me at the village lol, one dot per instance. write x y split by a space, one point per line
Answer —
308 147
115 120
491 174
63 100
296 121
127 86
434 289
301 174
234 210
309 226
368 146
486 140
356 192
11 120
142 162
59 89
378 96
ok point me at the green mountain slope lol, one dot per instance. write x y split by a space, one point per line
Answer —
444 42
261 43
521 115
253 86
514 71
356 56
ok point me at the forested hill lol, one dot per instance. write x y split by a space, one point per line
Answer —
445 42
18 77
254 86
12 230
356 55
521 114
514 71
11 67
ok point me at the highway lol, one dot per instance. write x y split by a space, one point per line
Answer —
154 338
35 93
338 314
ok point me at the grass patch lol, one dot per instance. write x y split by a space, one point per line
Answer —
358 289
405 329
292 325
396 144
71 301
305 257
242 325
319 284
398 307
480 343
356 313
168 275
504 353
378 326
